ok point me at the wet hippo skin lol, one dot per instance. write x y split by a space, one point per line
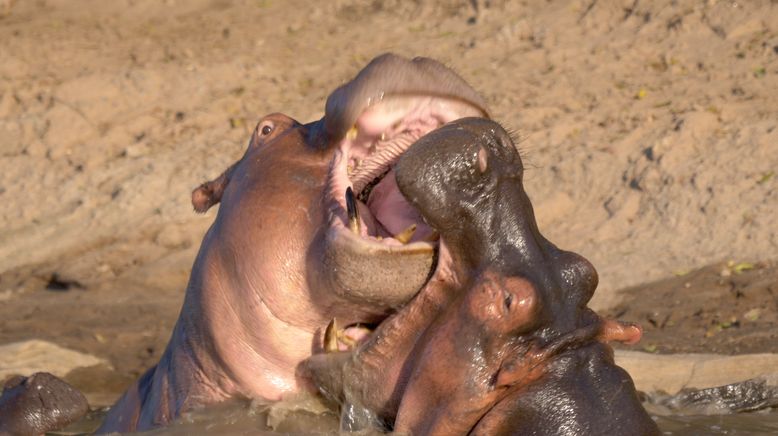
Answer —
39 403
582 393
310 227
502 332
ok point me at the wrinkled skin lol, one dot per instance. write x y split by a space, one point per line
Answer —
502 331
467 359
284 257
39 403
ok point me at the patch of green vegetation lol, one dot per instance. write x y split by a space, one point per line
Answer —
766 177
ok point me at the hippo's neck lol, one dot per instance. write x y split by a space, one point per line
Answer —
233 342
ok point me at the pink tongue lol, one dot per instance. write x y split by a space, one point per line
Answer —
391 209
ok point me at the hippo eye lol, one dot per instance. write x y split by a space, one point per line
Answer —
266 129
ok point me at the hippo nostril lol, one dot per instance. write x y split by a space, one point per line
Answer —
482 160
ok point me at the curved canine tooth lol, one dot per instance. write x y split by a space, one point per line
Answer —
353 212
405 236
331 337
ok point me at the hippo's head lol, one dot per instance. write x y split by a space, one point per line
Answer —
466 180
520 330
375 251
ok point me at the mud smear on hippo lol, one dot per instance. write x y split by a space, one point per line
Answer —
500 340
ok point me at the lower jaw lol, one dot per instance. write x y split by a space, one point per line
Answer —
371 274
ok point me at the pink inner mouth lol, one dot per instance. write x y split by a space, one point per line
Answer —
365 161
393 213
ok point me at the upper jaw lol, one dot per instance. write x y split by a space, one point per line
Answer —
390 75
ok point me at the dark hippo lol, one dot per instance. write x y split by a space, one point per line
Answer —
39 403
305 233
582 392
501 340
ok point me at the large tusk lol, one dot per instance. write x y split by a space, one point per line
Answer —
331 337
353 212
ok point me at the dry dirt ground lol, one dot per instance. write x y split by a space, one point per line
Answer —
650 130
723 308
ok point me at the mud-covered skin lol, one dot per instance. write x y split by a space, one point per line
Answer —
466 180
267 276
39 403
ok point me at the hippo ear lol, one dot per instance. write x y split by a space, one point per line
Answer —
210 193
625 332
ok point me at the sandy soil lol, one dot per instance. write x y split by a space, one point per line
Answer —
649 129
725 309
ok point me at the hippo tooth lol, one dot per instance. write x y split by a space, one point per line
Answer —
352 133
405 236
353 212
331 336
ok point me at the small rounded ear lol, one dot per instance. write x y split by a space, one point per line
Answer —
210 193
482 160
203 197
618 331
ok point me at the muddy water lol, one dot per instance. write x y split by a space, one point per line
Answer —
306 417
757 423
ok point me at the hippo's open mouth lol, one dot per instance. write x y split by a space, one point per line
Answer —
362 177
379 249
